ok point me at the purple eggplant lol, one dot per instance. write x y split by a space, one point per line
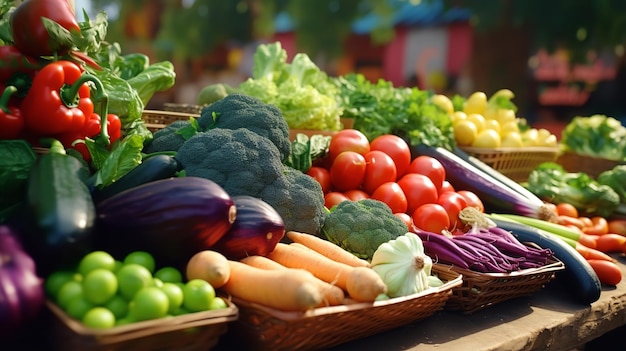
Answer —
256 231
171 218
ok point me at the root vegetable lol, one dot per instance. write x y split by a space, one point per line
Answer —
210 266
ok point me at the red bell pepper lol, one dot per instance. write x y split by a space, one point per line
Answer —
11 121
91 130
58 100
13 62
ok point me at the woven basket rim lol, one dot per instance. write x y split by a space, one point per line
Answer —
146 328
538 149
355 306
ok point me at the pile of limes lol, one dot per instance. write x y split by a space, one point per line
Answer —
104 292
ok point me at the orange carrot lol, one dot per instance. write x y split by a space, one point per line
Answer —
611 242
589 253
588 240
599 226
284 289
210 266
333 295
326 269
327 248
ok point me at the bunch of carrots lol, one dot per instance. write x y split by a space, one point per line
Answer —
595 238
308 273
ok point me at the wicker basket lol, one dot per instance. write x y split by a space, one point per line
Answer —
193 331
158 119
263 328
593 166
515 163
482 290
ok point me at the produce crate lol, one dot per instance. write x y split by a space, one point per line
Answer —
159 119
515 163
193 331
482 290
593 166
263 328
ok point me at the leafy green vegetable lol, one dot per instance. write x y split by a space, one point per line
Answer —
303 92
305 150
551 182
616 179
16 159
380 108
158 76
597 136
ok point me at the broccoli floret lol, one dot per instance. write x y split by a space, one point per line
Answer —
243 111
551 182
616 179
167 139
240 161
299 199
361 226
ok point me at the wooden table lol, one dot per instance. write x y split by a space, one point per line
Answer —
550 319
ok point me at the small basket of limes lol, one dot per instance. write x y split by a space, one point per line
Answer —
131 303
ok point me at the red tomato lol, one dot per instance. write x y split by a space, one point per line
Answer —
566 209
418 189
608 272
430 167
453 203
379 169
333 198
322 175
431 218
446 187
391 193
406 219
396 148
472 199
347 171
347 140
356 194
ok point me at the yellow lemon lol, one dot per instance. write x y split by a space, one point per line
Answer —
504 93
531 137
509 127
493 124
550 141
491 112
505 115
478 120
512 139
443 102
476 103
465 132
458 116
487 138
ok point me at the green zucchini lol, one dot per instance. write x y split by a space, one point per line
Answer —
152 168
60 206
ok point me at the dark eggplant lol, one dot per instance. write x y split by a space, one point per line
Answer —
21 289
171 218
256 230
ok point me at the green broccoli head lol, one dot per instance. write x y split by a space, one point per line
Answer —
361 226
299 199
167 139
240 161
243 111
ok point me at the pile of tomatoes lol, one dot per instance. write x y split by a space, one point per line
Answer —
384 169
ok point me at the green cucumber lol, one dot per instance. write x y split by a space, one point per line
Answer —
152 168
60 206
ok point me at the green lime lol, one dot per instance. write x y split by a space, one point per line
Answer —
132 278
174 295
118 305
99 286
55 280
198 295
218 303
141 258
99 318
78 307
157 282
169 275
96 259
149 303
70 291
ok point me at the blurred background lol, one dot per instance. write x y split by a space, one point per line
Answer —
560 58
